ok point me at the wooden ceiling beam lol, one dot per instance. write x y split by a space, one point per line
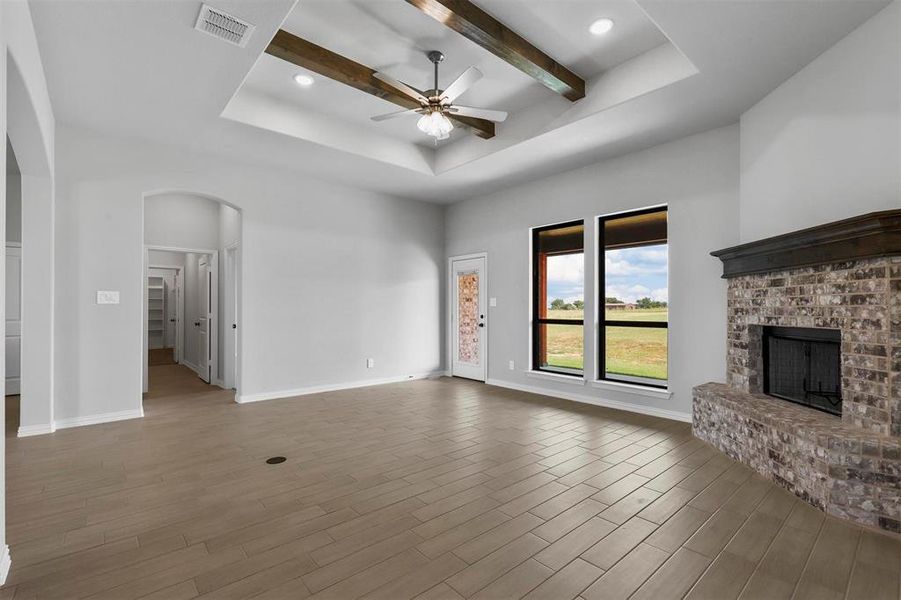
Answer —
317 59
478 26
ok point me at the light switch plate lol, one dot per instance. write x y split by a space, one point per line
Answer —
492 302
107 297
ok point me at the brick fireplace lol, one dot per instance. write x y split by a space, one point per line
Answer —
841 284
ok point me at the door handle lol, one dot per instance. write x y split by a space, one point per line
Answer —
196 323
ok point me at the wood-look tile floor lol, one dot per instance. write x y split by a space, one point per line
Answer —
427 489
161 356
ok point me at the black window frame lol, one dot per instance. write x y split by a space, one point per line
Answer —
537 321
603 323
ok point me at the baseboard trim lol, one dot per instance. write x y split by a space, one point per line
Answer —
5 563
30 430
624 406
318 389
112 417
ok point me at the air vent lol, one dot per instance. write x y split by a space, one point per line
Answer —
223 26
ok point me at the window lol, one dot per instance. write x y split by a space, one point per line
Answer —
558 282
634 314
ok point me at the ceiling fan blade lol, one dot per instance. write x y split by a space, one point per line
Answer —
461 84
410 91
498 116
395 114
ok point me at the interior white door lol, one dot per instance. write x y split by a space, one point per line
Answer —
213 319
179 305
13 318
204 282
469 324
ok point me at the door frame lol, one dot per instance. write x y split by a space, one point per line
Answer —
144 274
449 346
179 307
230 304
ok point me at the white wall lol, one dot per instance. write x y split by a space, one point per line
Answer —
696 177
181 221
331 275
229 226
826 144
13 196
165 258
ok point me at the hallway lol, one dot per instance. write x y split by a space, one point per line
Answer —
176 382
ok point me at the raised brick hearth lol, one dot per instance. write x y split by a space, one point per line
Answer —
837 467
849 466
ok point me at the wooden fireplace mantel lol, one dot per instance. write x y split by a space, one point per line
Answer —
872 235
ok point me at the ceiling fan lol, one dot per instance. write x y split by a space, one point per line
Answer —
437 105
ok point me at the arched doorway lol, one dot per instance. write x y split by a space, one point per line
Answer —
191 282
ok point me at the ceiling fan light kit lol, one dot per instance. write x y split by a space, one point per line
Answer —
436 125
437 104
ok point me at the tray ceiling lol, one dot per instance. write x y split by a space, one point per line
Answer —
393 36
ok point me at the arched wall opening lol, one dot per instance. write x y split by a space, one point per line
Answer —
35 319
192 286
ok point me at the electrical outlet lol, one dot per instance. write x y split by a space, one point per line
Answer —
512 367
492 302
370 363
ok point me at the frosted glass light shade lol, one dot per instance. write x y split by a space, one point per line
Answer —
436 125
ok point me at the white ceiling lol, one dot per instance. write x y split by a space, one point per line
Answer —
560 29
392 36
139 69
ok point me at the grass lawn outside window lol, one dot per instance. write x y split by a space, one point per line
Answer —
633 352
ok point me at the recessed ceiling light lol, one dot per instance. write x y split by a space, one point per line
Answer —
303 80
601 26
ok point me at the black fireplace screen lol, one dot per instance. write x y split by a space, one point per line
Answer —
803 365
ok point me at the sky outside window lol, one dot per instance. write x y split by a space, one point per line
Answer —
634 273
566 277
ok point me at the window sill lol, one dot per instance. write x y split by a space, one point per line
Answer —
633 388
559 377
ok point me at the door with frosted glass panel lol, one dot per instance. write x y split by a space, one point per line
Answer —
469 324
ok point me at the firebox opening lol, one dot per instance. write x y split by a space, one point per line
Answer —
803 365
